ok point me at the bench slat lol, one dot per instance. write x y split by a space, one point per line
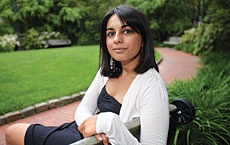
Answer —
173 41
59 42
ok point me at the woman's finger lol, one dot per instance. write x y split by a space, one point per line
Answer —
98 136
80 128
104 139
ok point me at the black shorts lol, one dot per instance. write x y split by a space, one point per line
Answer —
65 134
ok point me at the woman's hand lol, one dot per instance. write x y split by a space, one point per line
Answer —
88 127
102 137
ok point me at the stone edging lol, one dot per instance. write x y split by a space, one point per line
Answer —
40 107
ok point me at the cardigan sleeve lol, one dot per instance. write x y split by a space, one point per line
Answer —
88 104
110 124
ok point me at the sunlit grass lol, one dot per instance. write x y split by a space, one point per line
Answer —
30 77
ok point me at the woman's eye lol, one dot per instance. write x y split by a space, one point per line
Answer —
127 31
110 34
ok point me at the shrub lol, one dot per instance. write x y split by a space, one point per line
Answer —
8 42
189 40
215 31
211 35
186 47
210 94
30 40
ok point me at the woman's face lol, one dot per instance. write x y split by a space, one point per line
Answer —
122 42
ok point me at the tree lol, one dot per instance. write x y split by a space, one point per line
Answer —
95 10
167 17
215 29
80 20
25 13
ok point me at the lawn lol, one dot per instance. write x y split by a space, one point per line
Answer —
31 77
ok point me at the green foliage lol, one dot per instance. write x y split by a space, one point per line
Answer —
215 31
188 41
94 12
25 14
30 77
70 14
209 92
80 20
166 17
30 40
5 28
186 47
6 48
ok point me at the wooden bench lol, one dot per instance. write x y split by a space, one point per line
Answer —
59 42
181 112
173 40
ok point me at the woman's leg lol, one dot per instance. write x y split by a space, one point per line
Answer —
15 134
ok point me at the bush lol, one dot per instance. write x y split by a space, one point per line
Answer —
188 41
6 48
186 47
215 31
210 94
211 35
8 43
30 40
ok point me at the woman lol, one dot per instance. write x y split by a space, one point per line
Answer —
126 86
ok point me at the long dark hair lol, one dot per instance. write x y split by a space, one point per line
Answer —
137 21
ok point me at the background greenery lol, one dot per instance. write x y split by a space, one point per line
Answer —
34 20
80 19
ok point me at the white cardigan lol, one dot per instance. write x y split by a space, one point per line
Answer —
146 98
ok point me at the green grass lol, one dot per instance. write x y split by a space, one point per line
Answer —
30 77
158 56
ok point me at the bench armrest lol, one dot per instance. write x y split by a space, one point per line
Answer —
133 126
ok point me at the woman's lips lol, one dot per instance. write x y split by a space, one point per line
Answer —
119 50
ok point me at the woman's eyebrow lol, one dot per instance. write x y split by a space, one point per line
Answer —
125 26
121 27
109 29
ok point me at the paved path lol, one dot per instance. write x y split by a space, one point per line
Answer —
175 65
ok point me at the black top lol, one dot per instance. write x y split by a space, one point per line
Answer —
107 103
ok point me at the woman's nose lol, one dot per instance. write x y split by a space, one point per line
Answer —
117 39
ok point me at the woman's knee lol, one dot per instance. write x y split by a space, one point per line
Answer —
15 134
